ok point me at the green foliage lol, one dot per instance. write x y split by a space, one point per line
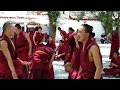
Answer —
53 16
106 17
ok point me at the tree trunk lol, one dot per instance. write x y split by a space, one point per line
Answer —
52 28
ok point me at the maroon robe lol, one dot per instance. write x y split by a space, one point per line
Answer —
31 38
40 61
5 72
88 67
51 44
114 43
73 74
39 37
113 70
61 49
75 60
22 47
70 44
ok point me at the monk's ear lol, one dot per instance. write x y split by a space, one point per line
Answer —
87 35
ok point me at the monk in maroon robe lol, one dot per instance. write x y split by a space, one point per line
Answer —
41 63
90 56
70 69
114 65
60 52
75 56
38 37
10 66
114 42
51 43
31 33
23 46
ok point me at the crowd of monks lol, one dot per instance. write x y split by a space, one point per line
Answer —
24 55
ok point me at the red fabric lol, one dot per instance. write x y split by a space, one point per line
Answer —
51 44
22 46
88 68
73 75
113 70
70 44
40 62
75 60
114 43
5 72
61 49
31 38
41 59
39 37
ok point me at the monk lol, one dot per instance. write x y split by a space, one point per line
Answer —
90 56
70 69
51 43
114 42
75 55
41 63
60 52
63 34
114 65
23 46
10 65
69 43
38 36
70 31
31 33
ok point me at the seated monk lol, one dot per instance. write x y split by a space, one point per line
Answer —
60 52
114 65
70 69
41 63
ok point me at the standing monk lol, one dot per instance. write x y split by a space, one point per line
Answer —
114 42
75 55
38 36
10 66
31 33
24 47
90 56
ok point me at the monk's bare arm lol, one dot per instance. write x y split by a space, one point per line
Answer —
34 38
62 54
4 48
96 57
51 60
30 44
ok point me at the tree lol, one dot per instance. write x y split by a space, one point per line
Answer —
109 19
53 16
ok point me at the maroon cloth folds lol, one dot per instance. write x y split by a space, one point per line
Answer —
5 72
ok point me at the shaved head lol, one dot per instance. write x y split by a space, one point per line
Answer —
6 25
